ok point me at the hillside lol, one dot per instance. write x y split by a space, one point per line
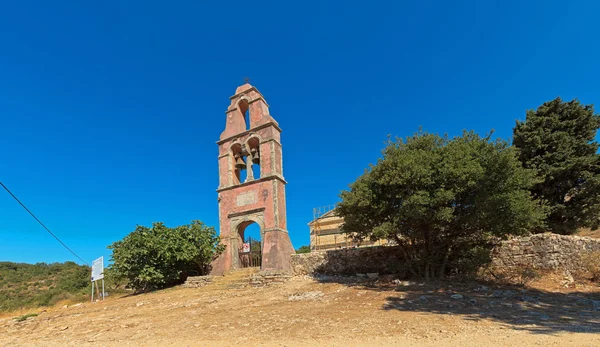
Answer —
325 311
34 285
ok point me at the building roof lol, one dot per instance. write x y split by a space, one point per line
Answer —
329 214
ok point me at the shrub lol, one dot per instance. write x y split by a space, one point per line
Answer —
157 257
25 316
442 200
303 249
591 264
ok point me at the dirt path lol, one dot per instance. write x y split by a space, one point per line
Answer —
306 312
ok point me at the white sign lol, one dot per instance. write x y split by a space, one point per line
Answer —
98 269
246 248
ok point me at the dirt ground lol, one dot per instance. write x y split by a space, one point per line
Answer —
325 311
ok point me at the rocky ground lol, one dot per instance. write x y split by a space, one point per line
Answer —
324 311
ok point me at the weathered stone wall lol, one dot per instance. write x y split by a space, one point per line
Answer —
197 281
269 277
383 260
541 251
544 251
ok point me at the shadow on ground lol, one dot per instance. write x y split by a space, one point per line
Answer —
533 310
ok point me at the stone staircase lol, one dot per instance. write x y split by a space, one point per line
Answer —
235 279
238 279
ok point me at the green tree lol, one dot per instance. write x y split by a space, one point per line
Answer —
558 141
157 257
303 249
441 200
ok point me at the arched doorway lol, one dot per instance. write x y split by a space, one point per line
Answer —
250 251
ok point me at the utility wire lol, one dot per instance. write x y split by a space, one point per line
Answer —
42 224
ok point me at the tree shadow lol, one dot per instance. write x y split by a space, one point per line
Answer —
534 310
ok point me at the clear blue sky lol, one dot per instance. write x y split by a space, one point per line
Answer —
110 111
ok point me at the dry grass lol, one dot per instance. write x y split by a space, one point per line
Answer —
333 312
591 264
589 233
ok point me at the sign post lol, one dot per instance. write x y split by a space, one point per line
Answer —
246 248
98 274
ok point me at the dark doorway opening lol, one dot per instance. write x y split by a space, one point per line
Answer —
250 252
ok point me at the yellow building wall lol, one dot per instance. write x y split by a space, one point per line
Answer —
325 234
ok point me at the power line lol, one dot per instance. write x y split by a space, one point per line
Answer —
42 224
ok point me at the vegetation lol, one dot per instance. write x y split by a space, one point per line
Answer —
25 316
442 200
34 285
558 141
303 249
157 257
591 264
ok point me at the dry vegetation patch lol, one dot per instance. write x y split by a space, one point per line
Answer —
342 311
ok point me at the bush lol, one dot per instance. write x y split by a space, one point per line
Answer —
591 264
442 200
303 249
157 257
25 316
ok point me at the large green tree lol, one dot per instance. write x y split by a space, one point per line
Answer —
156 257
441 199
558 141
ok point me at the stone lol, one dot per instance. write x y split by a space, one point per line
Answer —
197 281
372 275
505 294
497 294
456 296
269 277
543 317
305 296
546 252
528 299
536 252
383 260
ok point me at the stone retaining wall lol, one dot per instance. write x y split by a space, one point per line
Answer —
540 251
380 259
544 251
197 281
269 277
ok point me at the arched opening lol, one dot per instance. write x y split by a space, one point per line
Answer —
250 252
244 108
254 146
239 164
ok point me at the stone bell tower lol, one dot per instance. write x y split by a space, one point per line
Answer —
250 146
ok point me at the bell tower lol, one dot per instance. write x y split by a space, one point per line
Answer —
251 184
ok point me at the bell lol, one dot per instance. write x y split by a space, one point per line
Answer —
255 156
239 163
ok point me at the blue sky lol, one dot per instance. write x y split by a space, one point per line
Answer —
109 112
